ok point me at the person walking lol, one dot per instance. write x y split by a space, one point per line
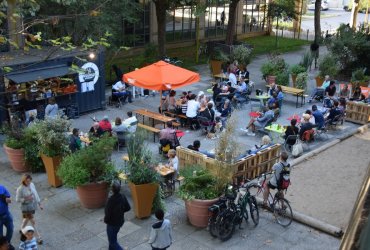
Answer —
114 217
6 219
28 240
161 233
29 198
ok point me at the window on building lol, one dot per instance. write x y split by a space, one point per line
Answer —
180 24
216 18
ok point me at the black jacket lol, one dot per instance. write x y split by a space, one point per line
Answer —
115 208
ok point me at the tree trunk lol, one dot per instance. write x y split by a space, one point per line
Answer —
355 7
317 21
232 20
161 7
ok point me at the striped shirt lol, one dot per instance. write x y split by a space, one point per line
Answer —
28 244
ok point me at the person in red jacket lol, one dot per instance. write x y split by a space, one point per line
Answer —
105 125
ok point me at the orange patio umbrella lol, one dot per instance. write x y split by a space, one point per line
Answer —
161 76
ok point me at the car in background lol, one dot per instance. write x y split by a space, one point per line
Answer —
324 5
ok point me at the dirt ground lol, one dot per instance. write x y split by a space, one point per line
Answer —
326 186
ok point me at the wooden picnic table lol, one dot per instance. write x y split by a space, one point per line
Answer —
221 76
154 116
293 91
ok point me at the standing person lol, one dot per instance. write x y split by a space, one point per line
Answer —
4 244
29 198
161 233
222 18
28 240
6 219
114 216
51 110
192 110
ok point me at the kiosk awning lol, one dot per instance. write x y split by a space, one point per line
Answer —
39 73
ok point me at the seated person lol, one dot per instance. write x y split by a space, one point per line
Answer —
105 124
273 101
208 114
357 95
119 89
131 122
196 146
225 111
95 130
291 130
319 117
330 94
273 88
260 122
184 95
184 106
320 90
265 143
334 111
74 141
342 105
312 118
118 126
168 135
240 88
173 163
306 126
344 92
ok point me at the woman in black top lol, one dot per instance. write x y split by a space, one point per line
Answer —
291 130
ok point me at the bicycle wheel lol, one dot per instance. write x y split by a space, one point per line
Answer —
226 227
255 189
213 227
282 211
253 209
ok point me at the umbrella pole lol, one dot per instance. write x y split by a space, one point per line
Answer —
161 102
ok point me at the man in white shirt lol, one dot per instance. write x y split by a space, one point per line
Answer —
232 79
192 111
121 91
130 122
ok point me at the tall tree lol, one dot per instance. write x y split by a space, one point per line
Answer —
232 20
161 7
354 11
317 21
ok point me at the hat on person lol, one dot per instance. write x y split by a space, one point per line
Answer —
306 117
28 228
105 117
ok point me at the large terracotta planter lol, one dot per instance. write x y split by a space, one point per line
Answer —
197 211
216 67
51 166
294 79
93 195
142 197
271 79
319 81
17 159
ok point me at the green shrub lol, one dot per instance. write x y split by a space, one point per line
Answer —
14 143
328 66
32 149
296 69
359 76
242 54
89 164
301 81
282 78
274 66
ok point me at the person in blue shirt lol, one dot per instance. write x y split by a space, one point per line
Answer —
319 117
334 111
6 218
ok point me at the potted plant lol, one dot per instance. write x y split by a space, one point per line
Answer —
359 78
218 58
14 148
90 171
242 55
143 178
302 80
327 66
275 70
295 70
203 186
32 149
53 141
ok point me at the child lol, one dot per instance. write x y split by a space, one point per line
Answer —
161 234
28 240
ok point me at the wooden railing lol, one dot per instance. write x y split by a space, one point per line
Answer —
246 168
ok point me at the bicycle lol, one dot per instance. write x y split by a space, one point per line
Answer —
278 204
235 212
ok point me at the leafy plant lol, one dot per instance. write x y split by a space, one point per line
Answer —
328 66
301 81
242 54
274 66
282 78
306 60
52 137
219 55
14 135
89 165
32 149
296 69
359 76
141 164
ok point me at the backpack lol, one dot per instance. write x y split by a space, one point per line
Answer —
308 135
284 178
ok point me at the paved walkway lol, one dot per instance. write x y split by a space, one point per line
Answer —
66 225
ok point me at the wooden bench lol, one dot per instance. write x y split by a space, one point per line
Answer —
151 129
293 91
173 115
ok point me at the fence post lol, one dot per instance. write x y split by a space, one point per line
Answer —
282 32
307 34
294 34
